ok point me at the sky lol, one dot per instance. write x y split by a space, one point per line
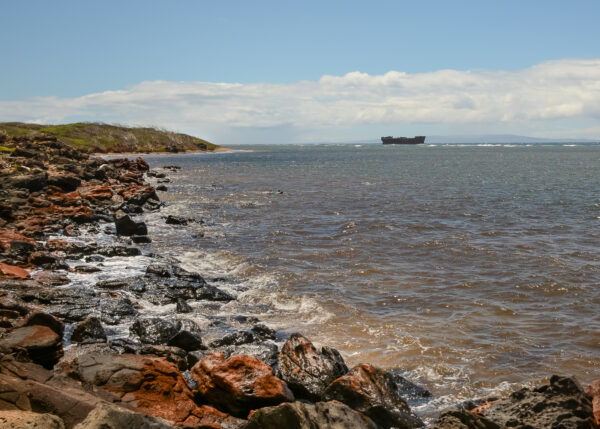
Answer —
305 71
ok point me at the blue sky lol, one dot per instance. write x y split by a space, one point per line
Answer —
61 51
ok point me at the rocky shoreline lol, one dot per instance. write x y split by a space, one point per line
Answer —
81 353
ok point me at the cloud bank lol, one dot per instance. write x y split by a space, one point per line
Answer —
552 99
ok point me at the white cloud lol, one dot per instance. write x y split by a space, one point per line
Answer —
557 92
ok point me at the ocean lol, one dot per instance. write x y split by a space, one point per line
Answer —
475 269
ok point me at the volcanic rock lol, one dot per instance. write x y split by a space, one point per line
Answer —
593 390
41 344
154 330
127 226
89 331
29 420
106 416
374 393
307 371
300 415
238 384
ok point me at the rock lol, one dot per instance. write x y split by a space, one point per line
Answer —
13 271
263 332
266 351
141 239
149 385
182 306
373 392
594 391
301 415
127 226
106 416
66 182
561 403
307 371
409 391
41 344
158 269
31 182
162 188
234 339
86 269
462 419
186 341
154 330
238 384
89 331
115 310
29 420
47 261
44 319
174 355
117 250
176 220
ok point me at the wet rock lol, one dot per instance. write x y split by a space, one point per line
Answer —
86 269
127 226
158 269
154 330
300 415
176 220
307 371
593 390
116 310
40 344
238 384
21 248
118 250
89 331
31 182
182 306
561 403
162 188
234 339
408 390
94 258
141 239
186 341
44 319
29 420
266 352
47 261
373 392
263 332
107 416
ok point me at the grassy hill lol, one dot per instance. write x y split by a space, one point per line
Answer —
96 137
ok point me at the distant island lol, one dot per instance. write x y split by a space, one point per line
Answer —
104 138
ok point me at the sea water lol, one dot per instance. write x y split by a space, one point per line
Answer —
473 268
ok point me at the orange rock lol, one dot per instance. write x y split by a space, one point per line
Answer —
100 192
238 384
483 407
7 236
594 391
13 271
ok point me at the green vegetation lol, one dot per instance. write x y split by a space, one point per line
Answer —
6 149
102 138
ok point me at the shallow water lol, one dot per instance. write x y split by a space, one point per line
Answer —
476 268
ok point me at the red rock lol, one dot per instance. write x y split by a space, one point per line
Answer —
483 407
13 271
594 391
149 385
238 384
7 236
138 194
100 192
42 344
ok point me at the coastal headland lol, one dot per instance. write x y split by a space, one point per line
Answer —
78 351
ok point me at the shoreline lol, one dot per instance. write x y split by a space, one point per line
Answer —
219 149
51 324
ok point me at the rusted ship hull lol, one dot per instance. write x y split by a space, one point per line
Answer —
403 140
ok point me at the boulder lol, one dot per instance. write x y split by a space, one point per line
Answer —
593 390
176 220
45 319
13 271
561 403
41 344
238 384
127 226
300 415
234 339
107 416
182 306
462 419
154 330
148 385
307 371
29 420
89 331
66 182
186 340
373 392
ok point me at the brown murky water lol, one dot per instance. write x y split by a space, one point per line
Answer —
474 268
